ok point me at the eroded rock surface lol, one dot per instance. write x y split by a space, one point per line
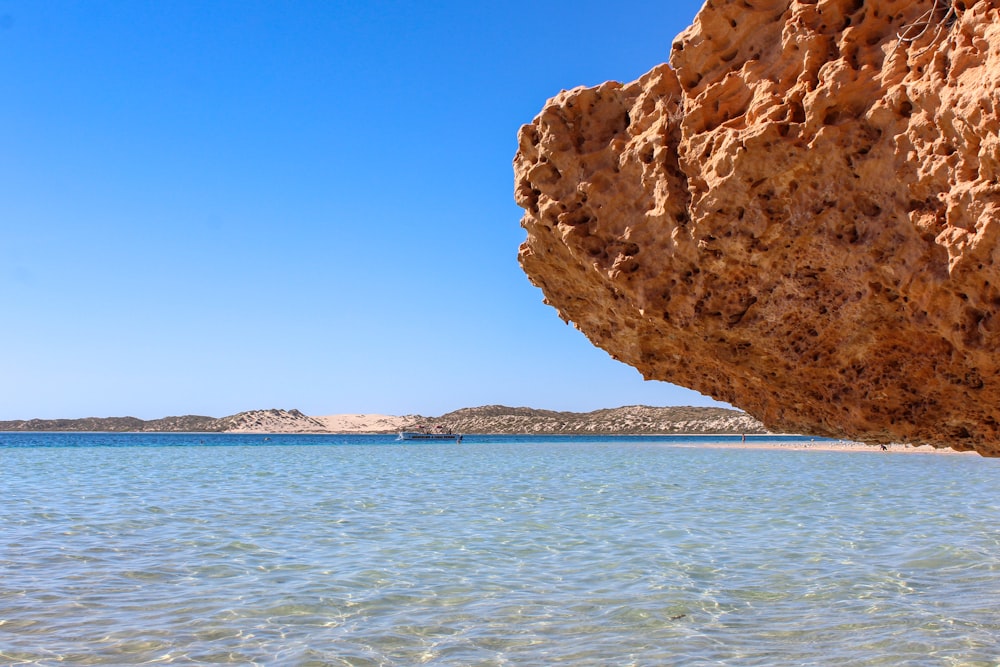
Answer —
798 216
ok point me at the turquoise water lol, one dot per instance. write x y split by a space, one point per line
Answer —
320 550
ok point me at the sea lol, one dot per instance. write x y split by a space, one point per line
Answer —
206 549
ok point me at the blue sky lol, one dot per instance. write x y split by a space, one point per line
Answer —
210 207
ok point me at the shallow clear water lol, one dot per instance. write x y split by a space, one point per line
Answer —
320 550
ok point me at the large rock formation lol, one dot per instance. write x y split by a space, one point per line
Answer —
798 216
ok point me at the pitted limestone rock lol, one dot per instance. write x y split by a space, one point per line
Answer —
798 216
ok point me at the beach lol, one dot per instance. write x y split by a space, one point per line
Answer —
821 445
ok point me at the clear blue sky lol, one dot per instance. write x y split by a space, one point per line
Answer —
210 207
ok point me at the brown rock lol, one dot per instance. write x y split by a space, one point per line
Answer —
798 216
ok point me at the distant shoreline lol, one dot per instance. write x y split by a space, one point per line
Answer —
497 420
756 441
485 419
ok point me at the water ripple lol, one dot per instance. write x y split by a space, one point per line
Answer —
499 553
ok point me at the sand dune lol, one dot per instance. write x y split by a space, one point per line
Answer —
366 423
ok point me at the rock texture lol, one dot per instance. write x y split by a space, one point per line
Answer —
797 215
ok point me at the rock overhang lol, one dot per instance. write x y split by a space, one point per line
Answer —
797 215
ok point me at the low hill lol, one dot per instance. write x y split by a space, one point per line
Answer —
499 419
270 421
632 419
194 423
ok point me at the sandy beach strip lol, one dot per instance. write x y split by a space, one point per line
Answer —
829 446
